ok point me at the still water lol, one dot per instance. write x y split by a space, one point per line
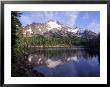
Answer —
65 62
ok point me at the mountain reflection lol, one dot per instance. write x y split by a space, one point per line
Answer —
45 60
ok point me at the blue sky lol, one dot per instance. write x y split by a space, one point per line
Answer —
83 19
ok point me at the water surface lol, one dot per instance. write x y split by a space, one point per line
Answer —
65 62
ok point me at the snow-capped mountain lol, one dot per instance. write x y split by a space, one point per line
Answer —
53 27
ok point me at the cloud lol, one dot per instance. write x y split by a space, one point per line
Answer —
94 26
66 17
73 18
49 14
37 16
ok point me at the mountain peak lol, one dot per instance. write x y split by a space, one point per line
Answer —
53 24
51 20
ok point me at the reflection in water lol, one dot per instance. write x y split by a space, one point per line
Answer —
64 62
72 58
52 64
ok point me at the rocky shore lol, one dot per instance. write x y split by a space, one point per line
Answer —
22 68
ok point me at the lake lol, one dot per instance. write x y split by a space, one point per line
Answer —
65 62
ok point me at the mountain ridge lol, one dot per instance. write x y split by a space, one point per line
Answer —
54 26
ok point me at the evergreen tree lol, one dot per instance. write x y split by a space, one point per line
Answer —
15 24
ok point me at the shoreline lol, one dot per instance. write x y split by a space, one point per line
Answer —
50 46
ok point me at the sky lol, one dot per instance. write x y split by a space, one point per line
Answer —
82 19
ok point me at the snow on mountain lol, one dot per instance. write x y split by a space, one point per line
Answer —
55 27
73 30
53 24
30 30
